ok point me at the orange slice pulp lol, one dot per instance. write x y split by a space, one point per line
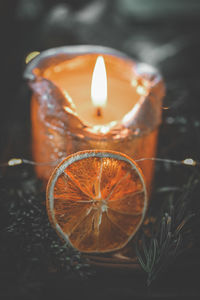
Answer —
96 200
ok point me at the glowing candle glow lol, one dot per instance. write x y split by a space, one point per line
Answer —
91 97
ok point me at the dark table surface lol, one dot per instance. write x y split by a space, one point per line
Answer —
162 35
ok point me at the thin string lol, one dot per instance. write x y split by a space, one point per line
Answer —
19 161
187 161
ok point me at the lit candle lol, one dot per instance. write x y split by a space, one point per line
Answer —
91 97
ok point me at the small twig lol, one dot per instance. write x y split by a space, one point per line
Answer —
155 253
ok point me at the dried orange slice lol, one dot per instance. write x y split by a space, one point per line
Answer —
96 200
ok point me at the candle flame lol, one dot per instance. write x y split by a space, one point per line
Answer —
99 83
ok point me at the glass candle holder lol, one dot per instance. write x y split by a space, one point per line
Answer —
60 79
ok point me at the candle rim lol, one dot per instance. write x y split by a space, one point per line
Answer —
72 51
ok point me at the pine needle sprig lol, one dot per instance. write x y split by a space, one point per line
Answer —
168 236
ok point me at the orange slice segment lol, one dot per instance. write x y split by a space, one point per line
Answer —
96 200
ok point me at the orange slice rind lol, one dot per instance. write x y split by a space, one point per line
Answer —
96 200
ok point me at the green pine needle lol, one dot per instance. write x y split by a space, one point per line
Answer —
157 251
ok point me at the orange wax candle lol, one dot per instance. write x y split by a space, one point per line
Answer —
91 97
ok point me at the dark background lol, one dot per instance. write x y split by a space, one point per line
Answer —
162 33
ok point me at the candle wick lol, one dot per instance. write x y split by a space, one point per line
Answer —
99 112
